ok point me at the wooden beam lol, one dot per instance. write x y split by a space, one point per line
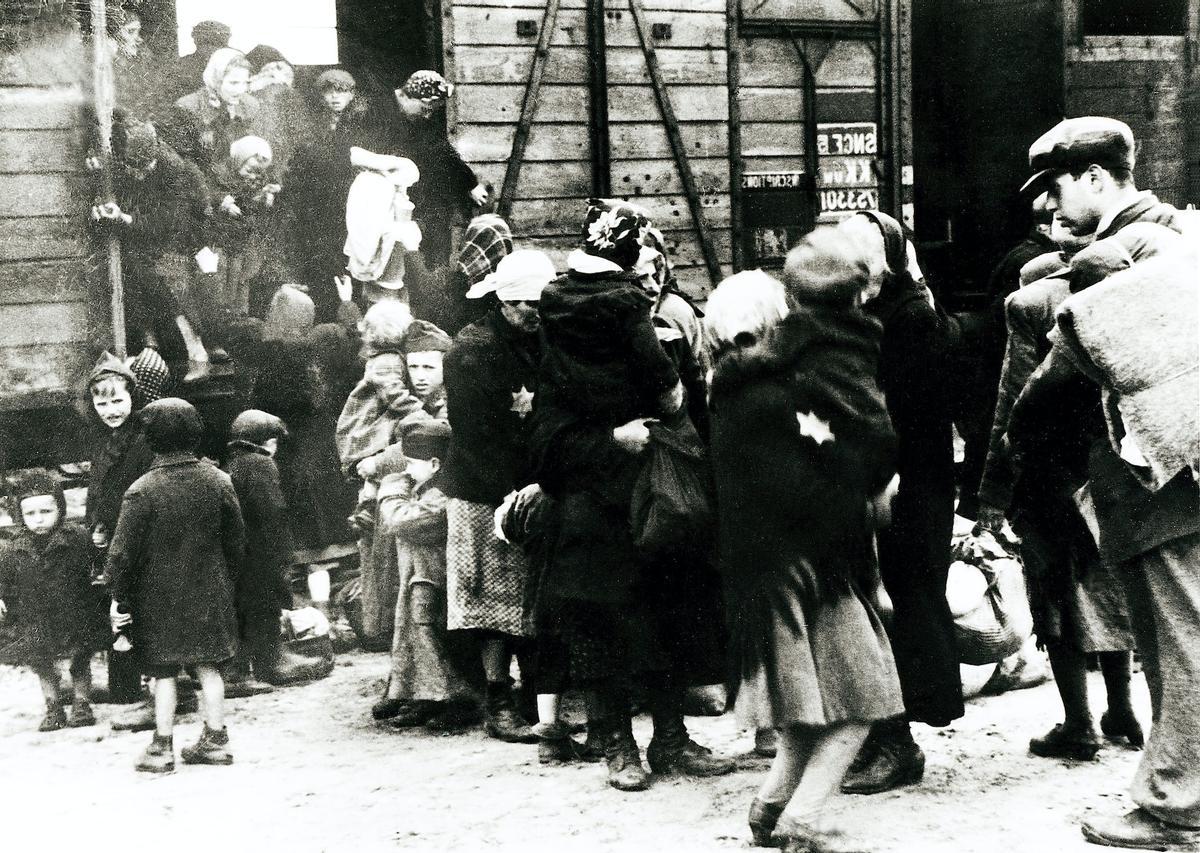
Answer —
598 99
528 106
105 96
733 63
681 158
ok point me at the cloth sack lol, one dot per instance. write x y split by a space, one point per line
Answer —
672 503
1000 623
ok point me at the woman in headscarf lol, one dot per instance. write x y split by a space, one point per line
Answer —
623 615
802 451
205 123
486 242
914 552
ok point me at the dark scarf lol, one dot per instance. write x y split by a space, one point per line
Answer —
899 288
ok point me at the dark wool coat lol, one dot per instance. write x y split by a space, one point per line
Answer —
914 552
53 611
169 208
173 561
602 366
121 458
490 368
262 585
292 383
801 442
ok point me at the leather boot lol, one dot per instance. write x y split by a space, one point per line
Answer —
159 756
55 719
671 750
211 748
1140 830
625 770
502 720
240 682
889 760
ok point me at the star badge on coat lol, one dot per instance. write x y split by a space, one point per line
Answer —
522 402
812 426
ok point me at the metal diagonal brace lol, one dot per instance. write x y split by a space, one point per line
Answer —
677 148
512 171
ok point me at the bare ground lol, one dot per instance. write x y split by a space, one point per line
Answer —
313 773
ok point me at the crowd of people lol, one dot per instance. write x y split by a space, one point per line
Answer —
586 474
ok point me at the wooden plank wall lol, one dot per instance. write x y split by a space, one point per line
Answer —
44 243
490 64
1140 80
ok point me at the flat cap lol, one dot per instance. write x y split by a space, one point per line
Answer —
1078 143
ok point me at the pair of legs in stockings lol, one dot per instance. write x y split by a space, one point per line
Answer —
808 769
81 686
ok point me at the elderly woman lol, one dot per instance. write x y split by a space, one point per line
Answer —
802 452
914 552
622 615
204 124
491 377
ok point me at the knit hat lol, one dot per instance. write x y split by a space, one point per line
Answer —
264 54
427 86
218 66
612 232
290 315
423 336
425 439
257 427
825 267
519 277
243 149
337 79
34 483
151 375
135 143
211 32
172 425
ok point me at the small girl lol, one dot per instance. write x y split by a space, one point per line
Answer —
245 187
171 570
45 590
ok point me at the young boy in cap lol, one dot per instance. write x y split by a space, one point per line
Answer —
412 509
262 589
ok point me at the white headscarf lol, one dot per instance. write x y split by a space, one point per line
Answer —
521 276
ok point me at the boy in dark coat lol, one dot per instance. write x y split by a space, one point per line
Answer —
171 568
44 588
262 585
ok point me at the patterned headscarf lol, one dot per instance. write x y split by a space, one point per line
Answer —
613 231
486 241
150 374
427 86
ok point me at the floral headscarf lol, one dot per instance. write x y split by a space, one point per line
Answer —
427 86
613 231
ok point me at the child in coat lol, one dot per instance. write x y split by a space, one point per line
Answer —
45 591
116 396
412 512
172 572
262 589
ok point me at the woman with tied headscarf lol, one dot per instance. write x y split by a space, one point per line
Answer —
622 615
914 552
802 451
203 125
486 241
448 190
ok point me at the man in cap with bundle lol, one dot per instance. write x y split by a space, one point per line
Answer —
1085 167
